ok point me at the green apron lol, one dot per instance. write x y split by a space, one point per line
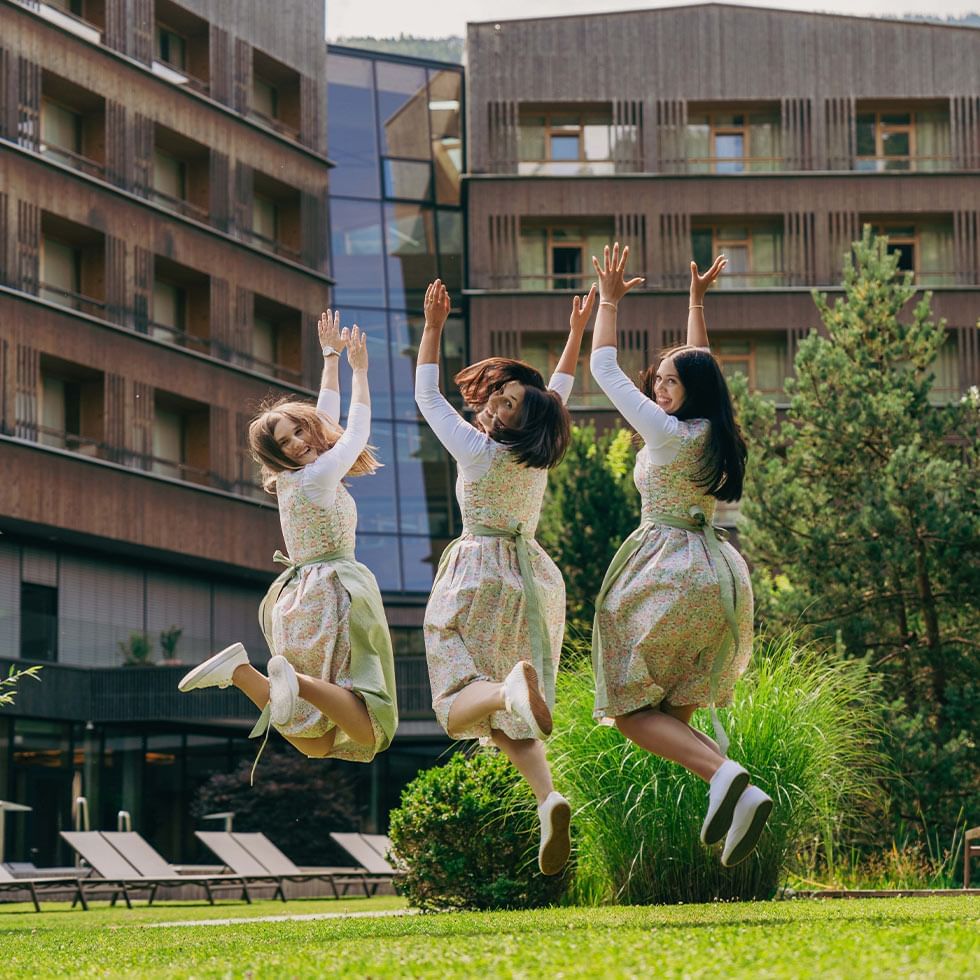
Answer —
541 658
732 593
372 665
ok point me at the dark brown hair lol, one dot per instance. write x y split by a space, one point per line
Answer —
541 437
706 396
321 434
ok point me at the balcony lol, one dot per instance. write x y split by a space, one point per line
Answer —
181 174
72 265
181 47
140 694
275 217
72 125
556 253
276 340
275 100
85 18
902 137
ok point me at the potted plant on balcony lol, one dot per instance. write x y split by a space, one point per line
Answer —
137 651
169 639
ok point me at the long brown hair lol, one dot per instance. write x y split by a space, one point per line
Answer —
706 396
541 437
320 433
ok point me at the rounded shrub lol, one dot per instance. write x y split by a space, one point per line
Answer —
466 834
803 723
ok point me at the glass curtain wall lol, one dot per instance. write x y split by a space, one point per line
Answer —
395 133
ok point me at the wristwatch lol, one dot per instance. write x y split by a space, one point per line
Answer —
329 351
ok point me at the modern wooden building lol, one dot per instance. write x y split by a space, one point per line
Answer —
163 261
768 135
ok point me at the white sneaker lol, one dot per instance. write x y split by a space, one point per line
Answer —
751 813
556 844
522 697
216 671
283 690
724 790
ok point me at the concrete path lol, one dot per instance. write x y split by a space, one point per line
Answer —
310 916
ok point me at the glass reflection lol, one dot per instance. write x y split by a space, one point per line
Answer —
380 553
420 558
411 254
445 119
357 250
375 324
423 476
351 127
403 108
376 495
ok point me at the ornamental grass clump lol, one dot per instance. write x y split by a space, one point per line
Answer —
466 837
803 723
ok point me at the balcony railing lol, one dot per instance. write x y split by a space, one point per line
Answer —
86 165
139 694
179 204
179 76
181 338
271 244
67 20
74 301
277 124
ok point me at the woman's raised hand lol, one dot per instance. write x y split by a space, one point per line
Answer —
357 355
329 331
436 305
582 310
700 284
613 286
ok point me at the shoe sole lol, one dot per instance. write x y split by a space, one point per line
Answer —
190 679
284 677
554 857
539 707
721 820
751 837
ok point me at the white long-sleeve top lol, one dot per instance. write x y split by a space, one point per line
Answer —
661 432
321 478
472 449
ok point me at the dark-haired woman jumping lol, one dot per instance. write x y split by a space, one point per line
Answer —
673 626
496 616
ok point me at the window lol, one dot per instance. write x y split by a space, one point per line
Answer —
72 265
276 339
171 47
543 352
60 411
754 252
761 359
902 139
61 128
38 622
276 215
61 266
924 248
265 218
169 175
352 126
560 141
169 311
265 98
72 404
559 255
733 141
180 438
72 125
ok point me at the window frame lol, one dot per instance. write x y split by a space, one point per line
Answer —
881 130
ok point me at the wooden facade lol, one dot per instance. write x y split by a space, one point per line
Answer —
814 78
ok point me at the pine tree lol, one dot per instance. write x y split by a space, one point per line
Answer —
861 519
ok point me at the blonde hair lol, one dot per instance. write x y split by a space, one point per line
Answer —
321 433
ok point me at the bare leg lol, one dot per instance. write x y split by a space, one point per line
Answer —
344 708
684 713
255 686
669 737
527 755
475 702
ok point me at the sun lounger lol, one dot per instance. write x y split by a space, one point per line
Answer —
120 875
276 862
149 863
234 857
366 855
8 883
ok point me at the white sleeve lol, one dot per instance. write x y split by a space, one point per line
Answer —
471 448
563 384
322 477
657 429
328 404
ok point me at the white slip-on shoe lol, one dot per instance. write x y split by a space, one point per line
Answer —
556 844
724 790
522 697
751 813
216 671
283 690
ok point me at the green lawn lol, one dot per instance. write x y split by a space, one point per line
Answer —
935 937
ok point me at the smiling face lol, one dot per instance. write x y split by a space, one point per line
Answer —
667 388
292 439
503 408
